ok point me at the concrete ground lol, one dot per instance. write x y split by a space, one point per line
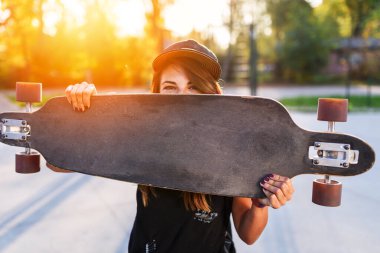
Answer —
51 212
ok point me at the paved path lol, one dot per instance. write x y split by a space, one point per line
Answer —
5 105
51 212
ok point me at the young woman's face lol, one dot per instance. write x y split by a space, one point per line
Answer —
174 81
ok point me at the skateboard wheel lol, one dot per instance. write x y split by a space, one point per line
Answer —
27 163
332 109
28 92
327 194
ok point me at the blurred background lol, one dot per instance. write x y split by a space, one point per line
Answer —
112 43
291 50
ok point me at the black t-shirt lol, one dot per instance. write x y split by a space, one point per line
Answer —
166 226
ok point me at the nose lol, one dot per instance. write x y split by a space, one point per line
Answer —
186 91
183 90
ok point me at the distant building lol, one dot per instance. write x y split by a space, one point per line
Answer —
362 54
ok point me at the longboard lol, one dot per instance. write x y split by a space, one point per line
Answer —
221 145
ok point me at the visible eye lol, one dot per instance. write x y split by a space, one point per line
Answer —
169 87
193 87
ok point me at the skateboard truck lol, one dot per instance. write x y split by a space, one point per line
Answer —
27 161
333 154
327 192
12 129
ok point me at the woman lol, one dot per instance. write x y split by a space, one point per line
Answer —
174 221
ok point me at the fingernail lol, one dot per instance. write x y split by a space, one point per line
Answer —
264 180
270 176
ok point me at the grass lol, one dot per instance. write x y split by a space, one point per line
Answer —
355 103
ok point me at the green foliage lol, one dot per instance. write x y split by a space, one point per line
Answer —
304 49
303 42
360 13
304 37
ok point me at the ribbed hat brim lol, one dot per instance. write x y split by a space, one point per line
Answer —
205 60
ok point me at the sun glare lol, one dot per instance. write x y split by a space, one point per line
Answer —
315 3
184 16
73 11
129 17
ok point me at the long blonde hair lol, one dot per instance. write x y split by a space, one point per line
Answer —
206 84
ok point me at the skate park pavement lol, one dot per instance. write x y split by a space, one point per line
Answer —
71 212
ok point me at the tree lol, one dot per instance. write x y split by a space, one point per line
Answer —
155 22
360 13
19 37
301 44
72 52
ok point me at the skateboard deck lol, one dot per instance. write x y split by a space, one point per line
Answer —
221 145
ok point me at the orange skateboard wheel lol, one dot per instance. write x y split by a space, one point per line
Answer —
28 92
327 194
27 163
332 109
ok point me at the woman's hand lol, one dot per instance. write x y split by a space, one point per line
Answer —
277 189
79 95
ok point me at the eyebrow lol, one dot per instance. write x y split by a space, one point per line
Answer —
171 82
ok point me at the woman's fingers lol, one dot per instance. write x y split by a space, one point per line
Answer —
271 199
87 93
274 192
74 101
285 180
68 92
278 190
79 95
281 189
